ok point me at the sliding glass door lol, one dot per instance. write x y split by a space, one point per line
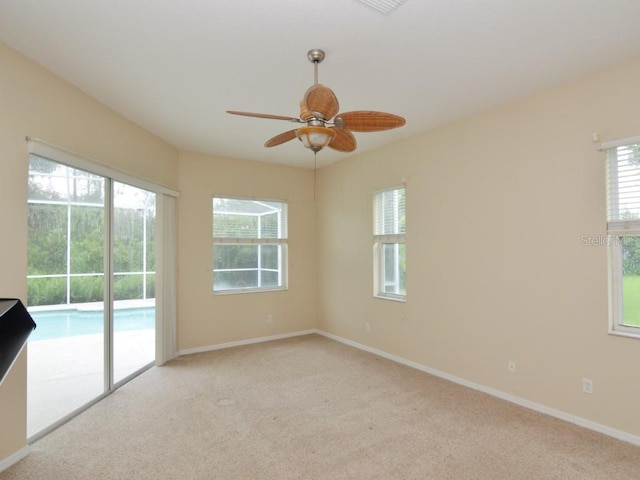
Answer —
91 272
133 247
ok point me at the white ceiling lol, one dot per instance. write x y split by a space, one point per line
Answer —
175 66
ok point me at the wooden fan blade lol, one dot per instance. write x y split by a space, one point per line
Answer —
281 138
344 141
264 115
368 121
305 114
322 100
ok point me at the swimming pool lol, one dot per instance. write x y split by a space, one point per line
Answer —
67 323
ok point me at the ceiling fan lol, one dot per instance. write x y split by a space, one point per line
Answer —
323 125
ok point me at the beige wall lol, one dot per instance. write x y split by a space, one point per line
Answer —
497 205
36 103
206 319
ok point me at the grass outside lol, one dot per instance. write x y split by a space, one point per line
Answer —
631 300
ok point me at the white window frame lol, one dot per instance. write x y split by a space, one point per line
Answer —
282 241
380 239
619 229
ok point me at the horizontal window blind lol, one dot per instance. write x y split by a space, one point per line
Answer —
623 188
251 241
389 216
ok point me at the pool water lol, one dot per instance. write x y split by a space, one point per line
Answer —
67 323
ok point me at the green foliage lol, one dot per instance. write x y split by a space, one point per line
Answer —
402 259
127 287
46 291
631 299
230 257
230 280
235 256
128 240
87 239
269 256
269 226
87 289
151 243
151 286
41 165
47 253
630 255
47 246
635 153
237 226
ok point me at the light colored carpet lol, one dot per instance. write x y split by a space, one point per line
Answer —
311 408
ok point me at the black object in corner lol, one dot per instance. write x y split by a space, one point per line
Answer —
15 327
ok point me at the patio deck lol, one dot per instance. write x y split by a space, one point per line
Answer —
66 373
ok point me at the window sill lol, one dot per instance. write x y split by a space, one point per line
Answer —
393 298
621 333
249 290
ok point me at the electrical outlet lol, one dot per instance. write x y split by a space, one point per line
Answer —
511 366
587 385
367 326
269 318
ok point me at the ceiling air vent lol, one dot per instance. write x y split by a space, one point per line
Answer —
383 6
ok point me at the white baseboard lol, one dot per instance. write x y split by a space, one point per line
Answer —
14 458
220 346
583 422
597 427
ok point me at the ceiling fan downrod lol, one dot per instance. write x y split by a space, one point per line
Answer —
315 56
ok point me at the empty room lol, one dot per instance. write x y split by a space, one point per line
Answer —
383 239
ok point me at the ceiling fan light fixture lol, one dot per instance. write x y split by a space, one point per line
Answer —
315 138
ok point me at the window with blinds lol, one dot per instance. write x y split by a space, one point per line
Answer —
623 187
389 238
623 229
249 244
